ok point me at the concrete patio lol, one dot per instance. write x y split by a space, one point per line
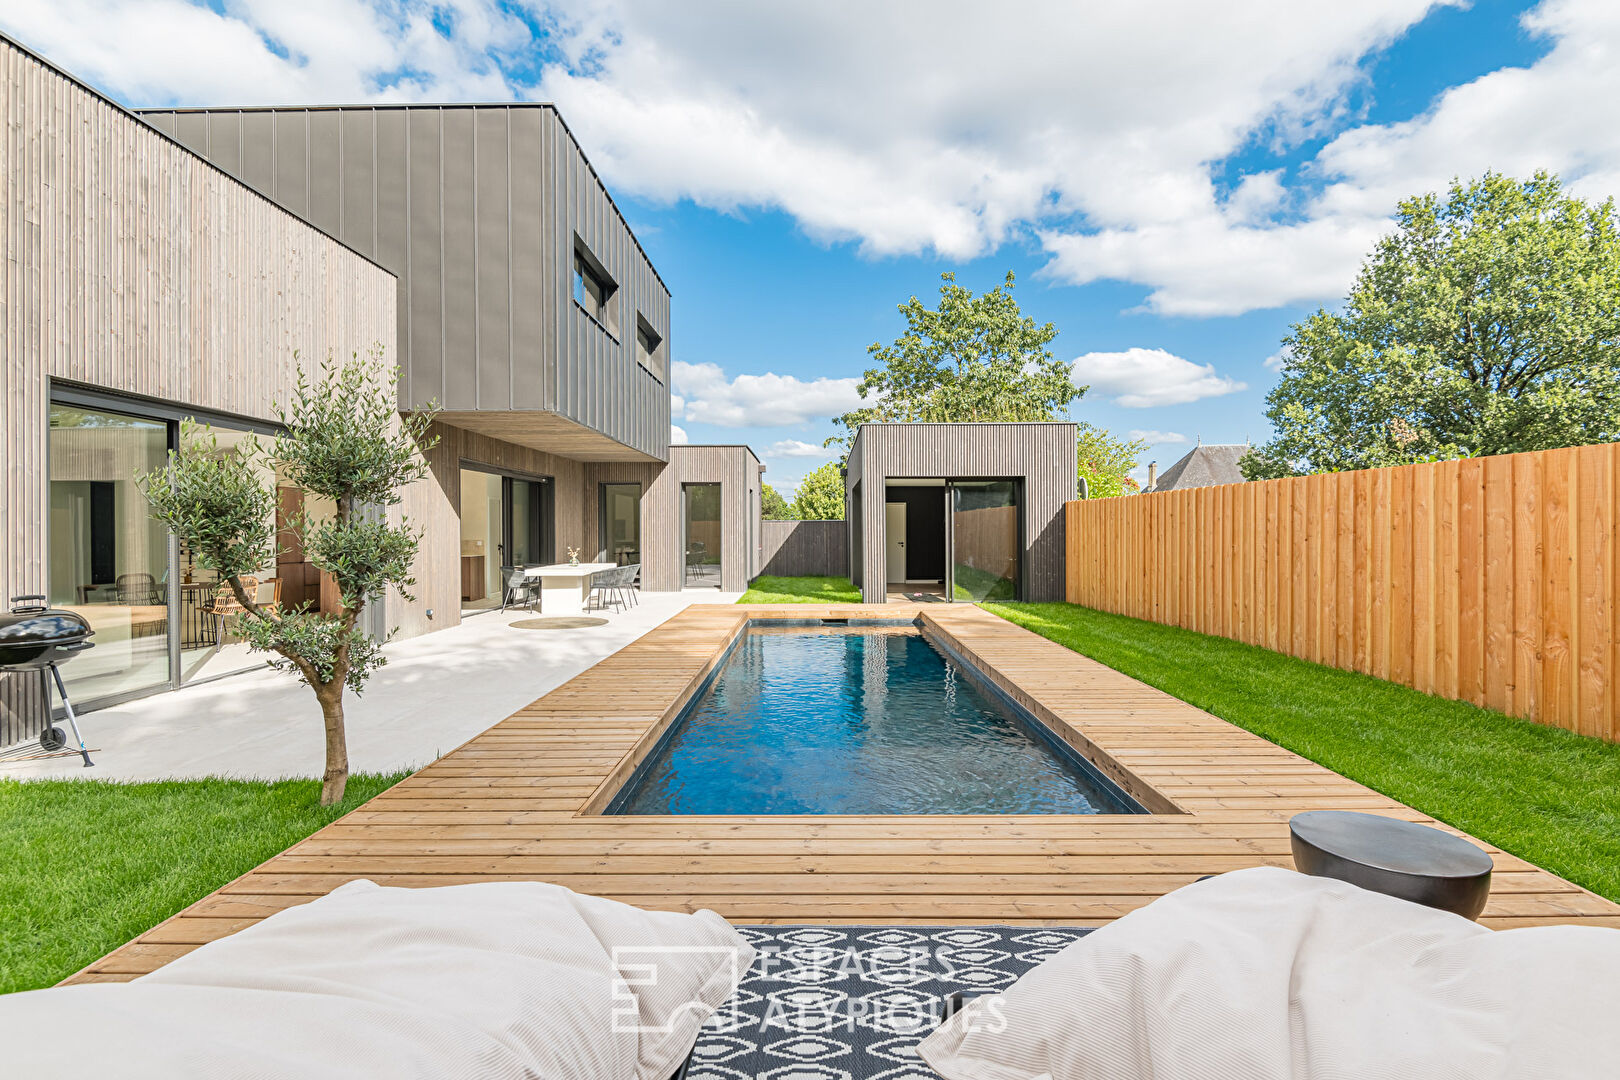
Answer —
436 692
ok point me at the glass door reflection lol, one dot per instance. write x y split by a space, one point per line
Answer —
984 540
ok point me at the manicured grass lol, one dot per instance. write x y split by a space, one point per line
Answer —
801 590
86 865
1545 794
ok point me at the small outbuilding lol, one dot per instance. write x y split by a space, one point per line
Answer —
959 511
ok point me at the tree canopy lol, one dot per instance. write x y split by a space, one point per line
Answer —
821 495
1104 462
1487 323
772 507
972 358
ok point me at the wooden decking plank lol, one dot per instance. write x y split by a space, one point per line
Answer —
507 806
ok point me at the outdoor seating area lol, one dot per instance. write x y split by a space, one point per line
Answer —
571 588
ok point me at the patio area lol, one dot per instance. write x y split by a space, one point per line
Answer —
519 802
436 692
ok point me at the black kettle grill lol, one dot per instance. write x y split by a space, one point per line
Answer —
34 637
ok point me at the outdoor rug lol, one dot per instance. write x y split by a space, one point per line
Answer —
853 1002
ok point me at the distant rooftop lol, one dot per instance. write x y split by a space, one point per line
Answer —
1204 466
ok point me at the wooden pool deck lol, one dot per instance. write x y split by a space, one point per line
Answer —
521 802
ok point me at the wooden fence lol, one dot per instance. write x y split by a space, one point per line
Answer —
1489 580
804 548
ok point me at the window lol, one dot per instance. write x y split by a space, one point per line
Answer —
594 289
648 342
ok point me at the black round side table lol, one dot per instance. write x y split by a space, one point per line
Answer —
1397 858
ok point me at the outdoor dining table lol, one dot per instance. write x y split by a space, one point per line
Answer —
565 588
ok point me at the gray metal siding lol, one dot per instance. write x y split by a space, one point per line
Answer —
1041 455
476 209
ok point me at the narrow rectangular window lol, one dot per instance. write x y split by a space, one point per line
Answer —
648 342
594 290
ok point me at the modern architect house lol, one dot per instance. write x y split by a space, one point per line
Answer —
530 314
967 511
170 266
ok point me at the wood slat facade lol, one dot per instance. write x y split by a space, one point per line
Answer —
519 802
1491 580
134 266
1041 456
804 548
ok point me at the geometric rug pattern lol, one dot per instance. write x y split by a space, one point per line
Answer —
853 1002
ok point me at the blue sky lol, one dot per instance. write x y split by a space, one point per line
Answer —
1173 182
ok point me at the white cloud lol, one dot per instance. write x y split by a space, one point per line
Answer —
1276 360
797 449
677 435
161 52
706 396
1158 438
1100 129
1143 378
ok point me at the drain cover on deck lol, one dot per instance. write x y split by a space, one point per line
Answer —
557 622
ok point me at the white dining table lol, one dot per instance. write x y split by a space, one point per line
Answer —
565 588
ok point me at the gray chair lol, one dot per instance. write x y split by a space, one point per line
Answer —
518 589
614 586
632 582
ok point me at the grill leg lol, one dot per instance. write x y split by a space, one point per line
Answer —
73 721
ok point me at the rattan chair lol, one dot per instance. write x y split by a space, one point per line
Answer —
518 589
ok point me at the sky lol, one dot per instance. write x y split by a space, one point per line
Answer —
1173 183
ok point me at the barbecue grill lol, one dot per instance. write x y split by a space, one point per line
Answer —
34 637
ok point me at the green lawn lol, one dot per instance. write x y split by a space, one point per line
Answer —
1545 794
801 590
85 865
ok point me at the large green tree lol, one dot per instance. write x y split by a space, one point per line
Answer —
344 441
1104 462
820 496
975 357
1486 323
772 507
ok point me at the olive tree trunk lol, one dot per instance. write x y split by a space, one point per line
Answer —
336 777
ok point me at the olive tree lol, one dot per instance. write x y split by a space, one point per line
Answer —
346 442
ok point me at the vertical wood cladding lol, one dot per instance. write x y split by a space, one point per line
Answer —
802 548
1042 456
478 210
132 265
1490 580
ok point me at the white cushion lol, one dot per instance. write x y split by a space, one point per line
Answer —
508 979
1266 973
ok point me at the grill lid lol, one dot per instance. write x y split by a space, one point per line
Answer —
32 623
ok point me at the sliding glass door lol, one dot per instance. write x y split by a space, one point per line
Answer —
160 616
109 561
506 521
619 524
700 512
984 540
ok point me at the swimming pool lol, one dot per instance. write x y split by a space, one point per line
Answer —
859 720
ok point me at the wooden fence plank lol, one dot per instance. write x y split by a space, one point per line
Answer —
1489 580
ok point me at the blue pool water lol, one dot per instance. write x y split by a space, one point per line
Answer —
857 721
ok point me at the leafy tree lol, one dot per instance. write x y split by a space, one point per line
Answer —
772 506
1104 462
346 442
973 358
821 495
1485 324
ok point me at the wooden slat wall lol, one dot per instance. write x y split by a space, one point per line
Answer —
1490 580
133 265
802 548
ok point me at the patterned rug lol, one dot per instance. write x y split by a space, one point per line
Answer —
852 1002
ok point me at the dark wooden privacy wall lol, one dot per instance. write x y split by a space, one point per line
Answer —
804 548
1490 580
